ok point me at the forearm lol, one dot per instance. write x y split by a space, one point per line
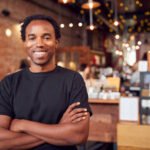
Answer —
28 146
6 134
19 143
59 134
9 139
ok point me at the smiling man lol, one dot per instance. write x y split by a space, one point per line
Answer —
43 107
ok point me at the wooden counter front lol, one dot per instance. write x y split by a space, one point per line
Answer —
133 136
103 123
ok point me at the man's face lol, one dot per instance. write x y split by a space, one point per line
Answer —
40 42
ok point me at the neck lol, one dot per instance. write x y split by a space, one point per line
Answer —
45 68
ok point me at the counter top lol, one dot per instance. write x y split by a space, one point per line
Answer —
103 101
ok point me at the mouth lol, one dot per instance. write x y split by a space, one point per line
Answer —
40 53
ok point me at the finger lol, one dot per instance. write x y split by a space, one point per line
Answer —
72 106
79 115
77 110
78 119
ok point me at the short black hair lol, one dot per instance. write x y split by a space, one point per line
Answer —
28 19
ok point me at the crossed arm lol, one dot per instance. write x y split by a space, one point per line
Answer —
23 134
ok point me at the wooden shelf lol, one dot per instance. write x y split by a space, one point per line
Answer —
103 101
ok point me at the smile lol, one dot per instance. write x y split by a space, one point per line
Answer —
40 54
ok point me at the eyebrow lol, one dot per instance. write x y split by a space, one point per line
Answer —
47 34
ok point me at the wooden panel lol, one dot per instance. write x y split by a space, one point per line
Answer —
133 136
131 148
103 123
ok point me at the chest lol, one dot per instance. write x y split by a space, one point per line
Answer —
41 100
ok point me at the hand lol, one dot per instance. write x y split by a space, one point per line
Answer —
16 125
73 114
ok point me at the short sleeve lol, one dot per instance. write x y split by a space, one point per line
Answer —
5 98
79 93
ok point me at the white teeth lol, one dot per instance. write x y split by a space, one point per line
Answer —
39 54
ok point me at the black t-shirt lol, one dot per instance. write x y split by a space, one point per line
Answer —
42 97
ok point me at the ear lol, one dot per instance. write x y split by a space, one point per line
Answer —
57 43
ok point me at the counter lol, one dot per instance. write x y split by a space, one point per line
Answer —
133 136
103 123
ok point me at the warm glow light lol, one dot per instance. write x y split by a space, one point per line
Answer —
120 53
70 25
121 4
117 36
90 5
132 37
80 24
126 8
91 27
62 25
139 42
137 47
126 45
116 23
128 48
66 1
137 2
141 5
8 32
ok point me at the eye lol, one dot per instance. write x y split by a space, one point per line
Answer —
31 38
47 37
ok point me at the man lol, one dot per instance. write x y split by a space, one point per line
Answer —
43 107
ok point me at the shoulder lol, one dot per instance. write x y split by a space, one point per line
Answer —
69 73
12 76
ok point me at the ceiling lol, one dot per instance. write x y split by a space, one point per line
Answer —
133 15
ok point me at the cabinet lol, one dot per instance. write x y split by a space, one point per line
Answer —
103 123
133 136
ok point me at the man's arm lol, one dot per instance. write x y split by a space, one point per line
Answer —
10 139
60 134
13 140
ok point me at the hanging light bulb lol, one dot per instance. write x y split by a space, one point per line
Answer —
66 1
91 26
90 4
116 23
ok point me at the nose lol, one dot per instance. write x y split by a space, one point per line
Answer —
39 42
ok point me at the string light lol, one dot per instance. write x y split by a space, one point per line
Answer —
62 25
8 32
80 24
70 25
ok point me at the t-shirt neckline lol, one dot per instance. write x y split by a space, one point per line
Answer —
41 73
